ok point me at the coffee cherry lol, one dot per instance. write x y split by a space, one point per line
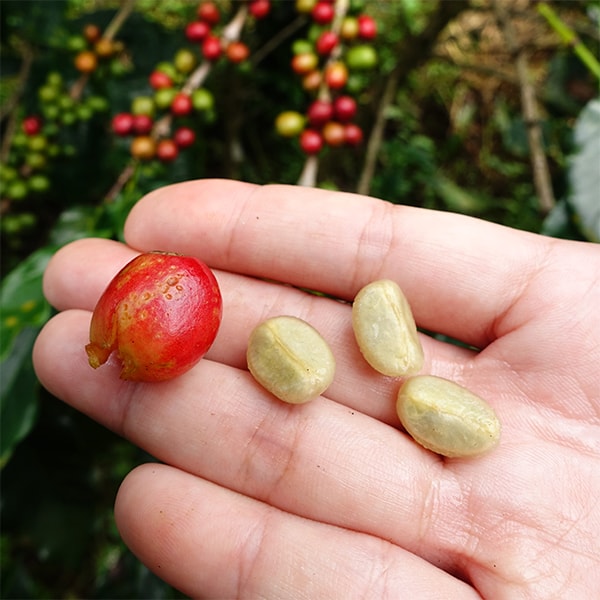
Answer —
361 57
122 124
305 6
92 33
181 105
184 137
319 112
344 108
142 105
38 183
32 125
86 62
367 27
196 31
237 52
259 9
311 141
349 28
37 143
353 134
305 63
333 133
202 99
159 80
164 97
142 124
312 81
167 150
184 61
326 42
143 147
209 12
36 160
211 47
323 13
104 48
289 123
336 75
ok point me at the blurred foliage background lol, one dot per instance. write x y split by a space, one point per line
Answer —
483 107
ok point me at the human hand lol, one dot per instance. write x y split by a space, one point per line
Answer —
257 498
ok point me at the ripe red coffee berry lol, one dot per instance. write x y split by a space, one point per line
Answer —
319 112
367 27
182 105
167 150
344 108
32 125
353 134
160 314
209 12
311 141
196 31
326 42
142 124
323 13
159 80
184 137
333 134
211 47
336 75
259 9
122 124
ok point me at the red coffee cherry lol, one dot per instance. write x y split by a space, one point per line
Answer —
353 134
209 12
311 141
333 133
159 80
323 13
319 112
122 124
336 75
160 314
344 108
32 125
367 27
259 9
211 47
166 150
196 31
181 105
184 137
326 42
142 124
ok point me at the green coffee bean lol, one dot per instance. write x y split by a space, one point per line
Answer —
385 329
446 417
288 357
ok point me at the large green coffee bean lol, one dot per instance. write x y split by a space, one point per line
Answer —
288 357
385 329
446 417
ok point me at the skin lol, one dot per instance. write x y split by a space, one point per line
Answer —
257 498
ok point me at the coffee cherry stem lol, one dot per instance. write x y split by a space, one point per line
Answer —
231 32
308 177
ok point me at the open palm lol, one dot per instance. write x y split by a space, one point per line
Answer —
256 498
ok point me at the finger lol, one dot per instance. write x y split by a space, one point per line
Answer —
321 460
246 302
210 542
336 243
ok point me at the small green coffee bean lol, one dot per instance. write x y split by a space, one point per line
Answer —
385 329
289 358
447 418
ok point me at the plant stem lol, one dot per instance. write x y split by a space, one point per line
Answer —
570 38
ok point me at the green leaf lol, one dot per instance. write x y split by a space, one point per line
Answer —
18 400
22 301
584 171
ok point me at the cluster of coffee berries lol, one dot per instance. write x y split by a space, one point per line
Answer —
40 137
204 31
94 49
335 48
